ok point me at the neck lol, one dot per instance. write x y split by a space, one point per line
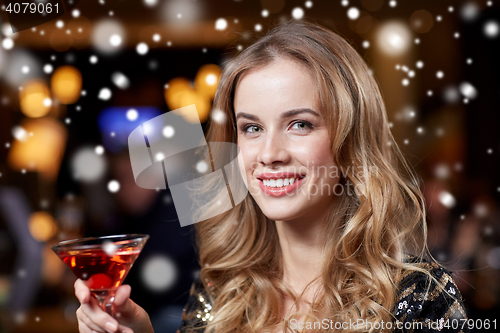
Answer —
301 246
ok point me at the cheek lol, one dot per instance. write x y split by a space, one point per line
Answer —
319 160
242 166
315 153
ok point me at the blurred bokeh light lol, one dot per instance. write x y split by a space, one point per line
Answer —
34 99
159 273
42 226
87 165
207 80
66 84
173 90
43 150
17 60
394 38
108 36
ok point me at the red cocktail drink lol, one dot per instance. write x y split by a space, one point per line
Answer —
102 262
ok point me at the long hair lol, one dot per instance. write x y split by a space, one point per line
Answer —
367 233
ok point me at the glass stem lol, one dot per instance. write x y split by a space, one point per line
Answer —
106 299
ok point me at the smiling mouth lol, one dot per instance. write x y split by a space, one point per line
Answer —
280 182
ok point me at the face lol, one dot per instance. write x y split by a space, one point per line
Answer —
283 135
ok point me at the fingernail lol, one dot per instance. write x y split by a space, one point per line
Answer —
110 326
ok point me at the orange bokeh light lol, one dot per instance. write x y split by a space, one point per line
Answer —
34 99
42 226
43 149
66 84
207 80
176 86
189 97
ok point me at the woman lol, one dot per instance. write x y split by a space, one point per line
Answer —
323 241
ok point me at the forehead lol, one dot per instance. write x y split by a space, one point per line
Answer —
282 85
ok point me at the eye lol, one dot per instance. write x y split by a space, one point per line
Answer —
303 125
254 128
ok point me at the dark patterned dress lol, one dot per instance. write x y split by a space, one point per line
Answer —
420 306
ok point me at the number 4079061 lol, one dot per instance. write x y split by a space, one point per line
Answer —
31 7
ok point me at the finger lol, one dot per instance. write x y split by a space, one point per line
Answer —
82 328
102 319
82 292
87 321
122 294
124 329
122 302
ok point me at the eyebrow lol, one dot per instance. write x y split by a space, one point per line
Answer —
286 114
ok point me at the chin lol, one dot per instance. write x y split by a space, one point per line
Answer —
284 215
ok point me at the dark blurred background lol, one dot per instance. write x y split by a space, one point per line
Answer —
72 89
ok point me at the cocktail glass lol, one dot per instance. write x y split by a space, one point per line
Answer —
102 262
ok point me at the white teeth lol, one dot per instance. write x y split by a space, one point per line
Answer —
279 182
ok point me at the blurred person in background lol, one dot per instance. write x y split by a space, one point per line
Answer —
468 244
476 247
20 254
439 232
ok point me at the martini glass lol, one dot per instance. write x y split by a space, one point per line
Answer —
102 262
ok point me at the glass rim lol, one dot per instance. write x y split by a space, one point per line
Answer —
63 244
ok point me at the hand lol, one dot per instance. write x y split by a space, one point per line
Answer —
131 318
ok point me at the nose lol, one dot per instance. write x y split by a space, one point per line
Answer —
274 150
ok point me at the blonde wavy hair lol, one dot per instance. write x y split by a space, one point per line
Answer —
367 234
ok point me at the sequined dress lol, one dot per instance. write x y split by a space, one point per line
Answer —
420 307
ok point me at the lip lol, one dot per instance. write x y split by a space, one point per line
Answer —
279 191
275 175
